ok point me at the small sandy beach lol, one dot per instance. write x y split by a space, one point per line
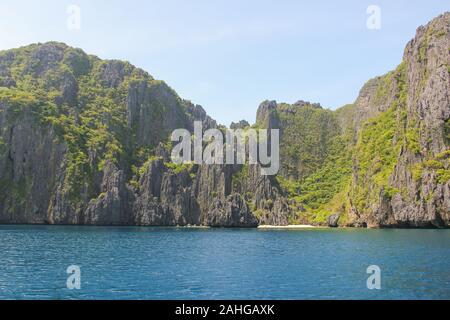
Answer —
292 226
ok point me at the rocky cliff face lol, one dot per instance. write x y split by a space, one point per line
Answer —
213 195
382 161
415 190
86 141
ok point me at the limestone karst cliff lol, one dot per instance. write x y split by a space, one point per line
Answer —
384 160
86 141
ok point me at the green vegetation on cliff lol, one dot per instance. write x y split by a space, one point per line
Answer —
83 98
307 133
100 124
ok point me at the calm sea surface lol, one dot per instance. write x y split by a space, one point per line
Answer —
183 263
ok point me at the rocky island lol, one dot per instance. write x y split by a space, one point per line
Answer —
86 141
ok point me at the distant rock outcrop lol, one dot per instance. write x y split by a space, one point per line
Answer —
239 125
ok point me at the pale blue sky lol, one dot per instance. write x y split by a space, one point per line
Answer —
230 55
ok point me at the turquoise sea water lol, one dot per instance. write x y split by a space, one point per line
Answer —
183 263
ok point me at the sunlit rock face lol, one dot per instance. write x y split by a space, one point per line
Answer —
87 141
